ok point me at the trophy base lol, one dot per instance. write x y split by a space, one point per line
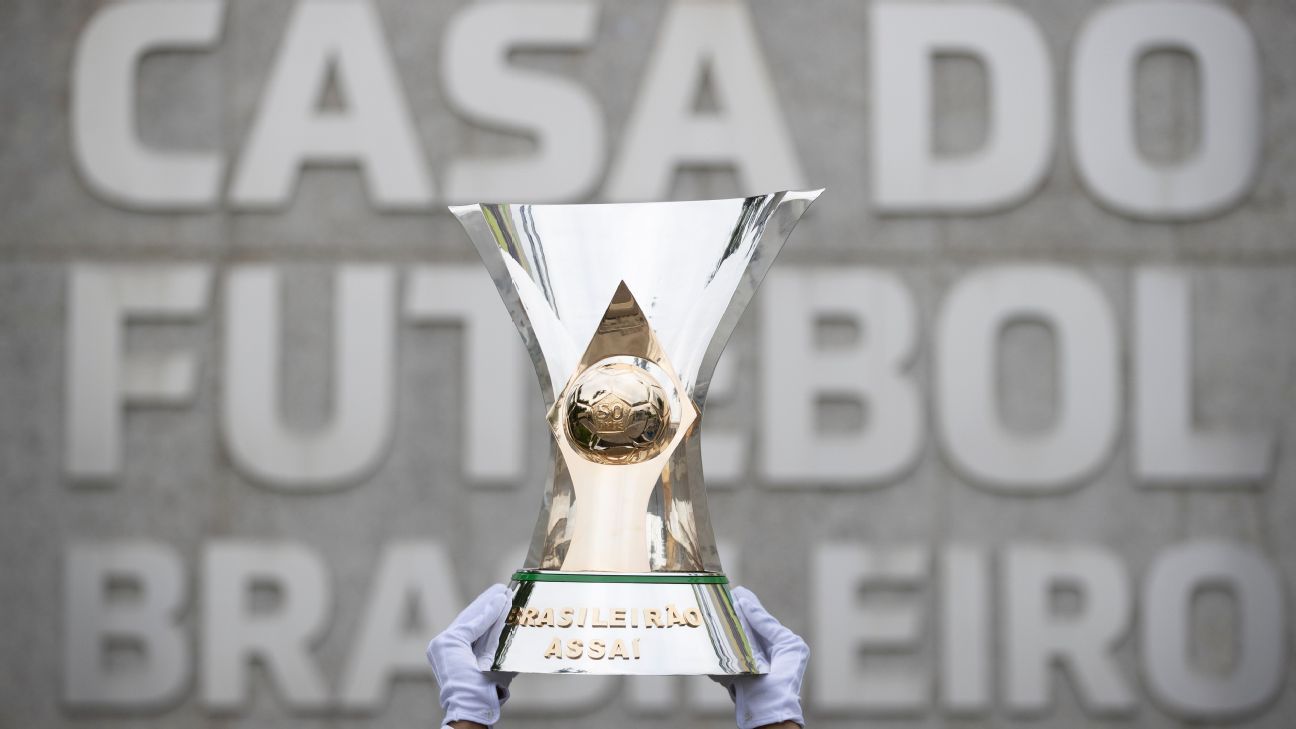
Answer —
605 623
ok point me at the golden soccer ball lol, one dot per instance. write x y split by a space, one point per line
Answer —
617 414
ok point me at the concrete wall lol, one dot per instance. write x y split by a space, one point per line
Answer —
849 562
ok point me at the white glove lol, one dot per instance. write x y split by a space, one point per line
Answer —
775 696
467 692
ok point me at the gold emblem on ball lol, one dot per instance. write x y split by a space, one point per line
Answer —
617 413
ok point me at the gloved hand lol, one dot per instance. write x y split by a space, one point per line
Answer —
776 696
467 692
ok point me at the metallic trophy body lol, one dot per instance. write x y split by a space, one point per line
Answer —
624 310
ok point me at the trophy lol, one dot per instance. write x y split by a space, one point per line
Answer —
624 310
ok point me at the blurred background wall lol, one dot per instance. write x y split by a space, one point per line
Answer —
1007 435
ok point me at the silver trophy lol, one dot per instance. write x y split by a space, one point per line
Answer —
624 310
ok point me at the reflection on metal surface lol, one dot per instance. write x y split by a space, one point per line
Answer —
616 413
627 378
691 267
625 405
621 624
624 310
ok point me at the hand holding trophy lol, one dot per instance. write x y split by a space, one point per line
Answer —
472 698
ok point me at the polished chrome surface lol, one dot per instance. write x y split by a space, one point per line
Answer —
595 627
612 484
660 284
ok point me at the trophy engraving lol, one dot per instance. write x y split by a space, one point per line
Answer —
617 413
624 310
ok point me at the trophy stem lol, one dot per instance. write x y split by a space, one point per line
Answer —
609 533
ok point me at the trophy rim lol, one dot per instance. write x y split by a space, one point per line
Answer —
463 208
